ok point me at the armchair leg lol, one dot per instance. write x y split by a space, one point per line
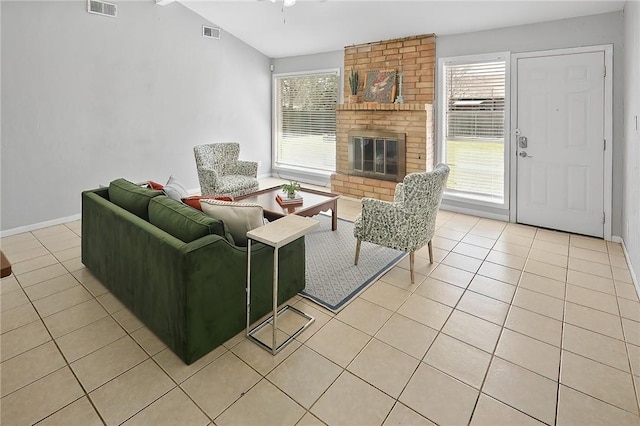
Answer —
357 251
412 259
430 252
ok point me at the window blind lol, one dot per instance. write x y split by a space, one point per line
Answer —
306 120
474 127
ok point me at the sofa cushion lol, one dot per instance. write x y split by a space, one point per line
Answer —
194 200
182 221
238 217
131 197
236 185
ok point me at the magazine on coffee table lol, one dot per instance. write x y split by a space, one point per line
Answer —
283 200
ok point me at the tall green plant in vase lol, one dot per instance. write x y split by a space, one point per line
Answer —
354 85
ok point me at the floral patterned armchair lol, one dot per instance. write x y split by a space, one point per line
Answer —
407 223
221 173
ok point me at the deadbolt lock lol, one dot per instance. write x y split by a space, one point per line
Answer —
522 141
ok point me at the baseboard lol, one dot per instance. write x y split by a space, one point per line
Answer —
33 227
348 198
634 277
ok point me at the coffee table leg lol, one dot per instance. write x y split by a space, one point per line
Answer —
334 216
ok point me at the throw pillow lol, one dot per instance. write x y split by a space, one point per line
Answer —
239 217
155 185
194 200
174 189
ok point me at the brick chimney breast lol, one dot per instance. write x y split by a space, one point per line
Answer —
414 58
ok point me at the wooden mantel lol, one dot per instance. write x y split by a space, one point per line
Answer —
374 106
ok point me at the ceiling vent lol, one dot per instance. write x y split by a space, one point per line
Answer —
211 32
102 8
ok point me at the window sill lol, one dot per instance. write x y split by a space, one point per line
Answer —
313 176
475 200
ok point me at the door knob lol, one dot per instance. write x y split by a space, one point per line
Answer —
524 154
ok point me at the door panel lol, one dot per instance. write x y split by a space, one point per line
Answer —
560 110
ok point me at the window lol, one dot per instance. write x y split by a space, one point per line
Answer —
305 120
473 123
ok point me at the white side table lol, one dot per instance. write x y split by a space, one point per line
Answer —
276 234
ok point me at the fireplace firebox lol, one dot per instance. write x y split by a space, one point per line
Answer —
377 154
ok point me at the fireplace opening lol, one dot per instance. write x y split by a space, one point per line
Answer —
375 154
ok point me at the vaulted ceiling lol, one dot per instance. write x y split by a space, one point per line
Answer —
313 26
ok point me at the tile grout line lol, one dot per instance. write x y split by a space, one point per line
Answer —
67 364
606 365
495 348
626 345
421 360
493 355
345 369
562 331
477 399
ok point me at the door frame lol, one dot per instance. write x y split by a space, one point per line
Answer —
607 49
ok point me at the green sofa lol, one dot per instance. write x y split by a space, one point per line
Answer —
177 269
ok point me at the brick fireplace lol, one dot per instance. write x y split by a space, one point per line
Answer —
414 57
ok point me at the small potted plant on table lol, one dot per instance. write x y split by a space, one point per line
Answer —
289 196
291 188
354 85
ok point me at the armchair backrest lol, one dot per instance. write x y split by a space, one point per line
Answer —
423 191
221 157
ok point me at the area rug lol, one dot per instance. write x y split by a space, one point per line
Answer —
332 280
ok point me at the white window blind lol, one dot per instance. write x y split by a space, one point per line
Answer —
474 128
306 120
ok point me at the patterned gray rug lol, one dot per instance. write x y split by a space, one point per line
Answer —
332 278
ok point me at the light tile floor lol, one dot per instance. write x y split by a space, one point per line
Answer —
512 325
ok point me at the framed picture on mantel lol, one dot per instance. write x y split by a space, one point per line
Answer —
380 86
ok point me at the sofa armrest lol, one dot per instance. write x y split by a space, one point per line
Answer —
230 266
216 287
208 179
382 222
247 168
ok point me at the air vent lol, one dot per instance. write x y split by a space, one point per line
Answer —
102 8
211 32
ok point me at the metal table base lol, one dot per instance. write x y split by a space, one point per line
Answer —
274 349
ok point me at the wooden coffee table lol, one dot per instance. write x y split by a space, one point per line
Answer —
313 202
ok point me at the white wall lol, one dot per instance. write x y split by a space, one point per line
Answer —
631 152
87 99
585 31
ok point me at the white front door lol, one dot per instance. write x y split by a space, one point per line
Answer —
560 142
